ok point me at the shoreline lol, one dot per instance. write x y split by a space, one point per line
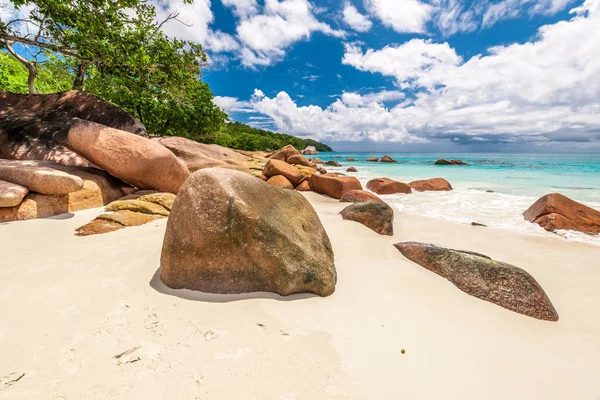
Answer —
497 210
93 298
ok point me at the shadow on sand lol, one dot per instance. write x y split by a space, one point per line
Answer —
156 284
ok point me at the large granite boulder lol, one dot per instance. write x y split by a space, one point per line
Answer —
232 233
41 115
480 276
372 159
303 186
99 189
299 159
11 195
387 186
284 153
31 126
333 163
277 167
555 211
377 216
280 181
134 159
39 178
199 155
334 185
360 196
35 149
352 169
434 184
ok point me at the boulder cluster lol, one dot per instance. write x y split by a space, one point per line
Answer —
70 151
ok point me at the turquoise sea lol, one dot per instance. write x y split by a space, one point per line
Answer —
517 180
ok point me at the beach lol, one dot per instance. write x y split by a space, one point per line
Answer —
87 317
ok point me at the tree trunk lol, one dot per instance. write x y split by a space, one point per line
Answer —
31 78
139 113
80 76
31 66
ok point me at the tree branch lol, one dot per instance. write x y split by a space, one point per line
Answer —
48 46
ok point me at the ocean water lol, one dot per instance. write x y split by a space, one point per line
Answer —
517 181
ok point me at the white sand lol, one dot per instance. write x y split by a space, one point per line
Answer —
69 305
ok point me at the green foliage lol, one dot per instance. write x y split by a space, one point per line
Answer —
51 78
243 137
13 77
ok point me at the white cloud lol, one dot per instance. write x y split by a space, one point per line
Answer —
404 62
338 121
266 36
232 104
452 16
218 41
242 8
404 16
355 100
543 91
193 19
356 20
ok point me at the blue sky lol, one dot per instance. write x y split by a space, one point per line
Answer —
406 75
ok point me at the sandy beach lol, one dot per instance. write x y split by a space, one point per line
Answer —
88 318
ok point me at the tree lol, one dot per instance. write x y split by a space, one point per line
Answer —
117 50
100 33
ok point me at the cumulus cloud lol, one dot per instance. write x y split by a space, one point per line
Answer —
232 104
218 41
356 20
543 91
266 36
242 8
404 16
405 62
192 21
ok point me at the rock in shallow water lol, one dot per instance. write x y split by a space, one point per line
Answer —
388 186
377 216
555 211
480 276
231 233
434 184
